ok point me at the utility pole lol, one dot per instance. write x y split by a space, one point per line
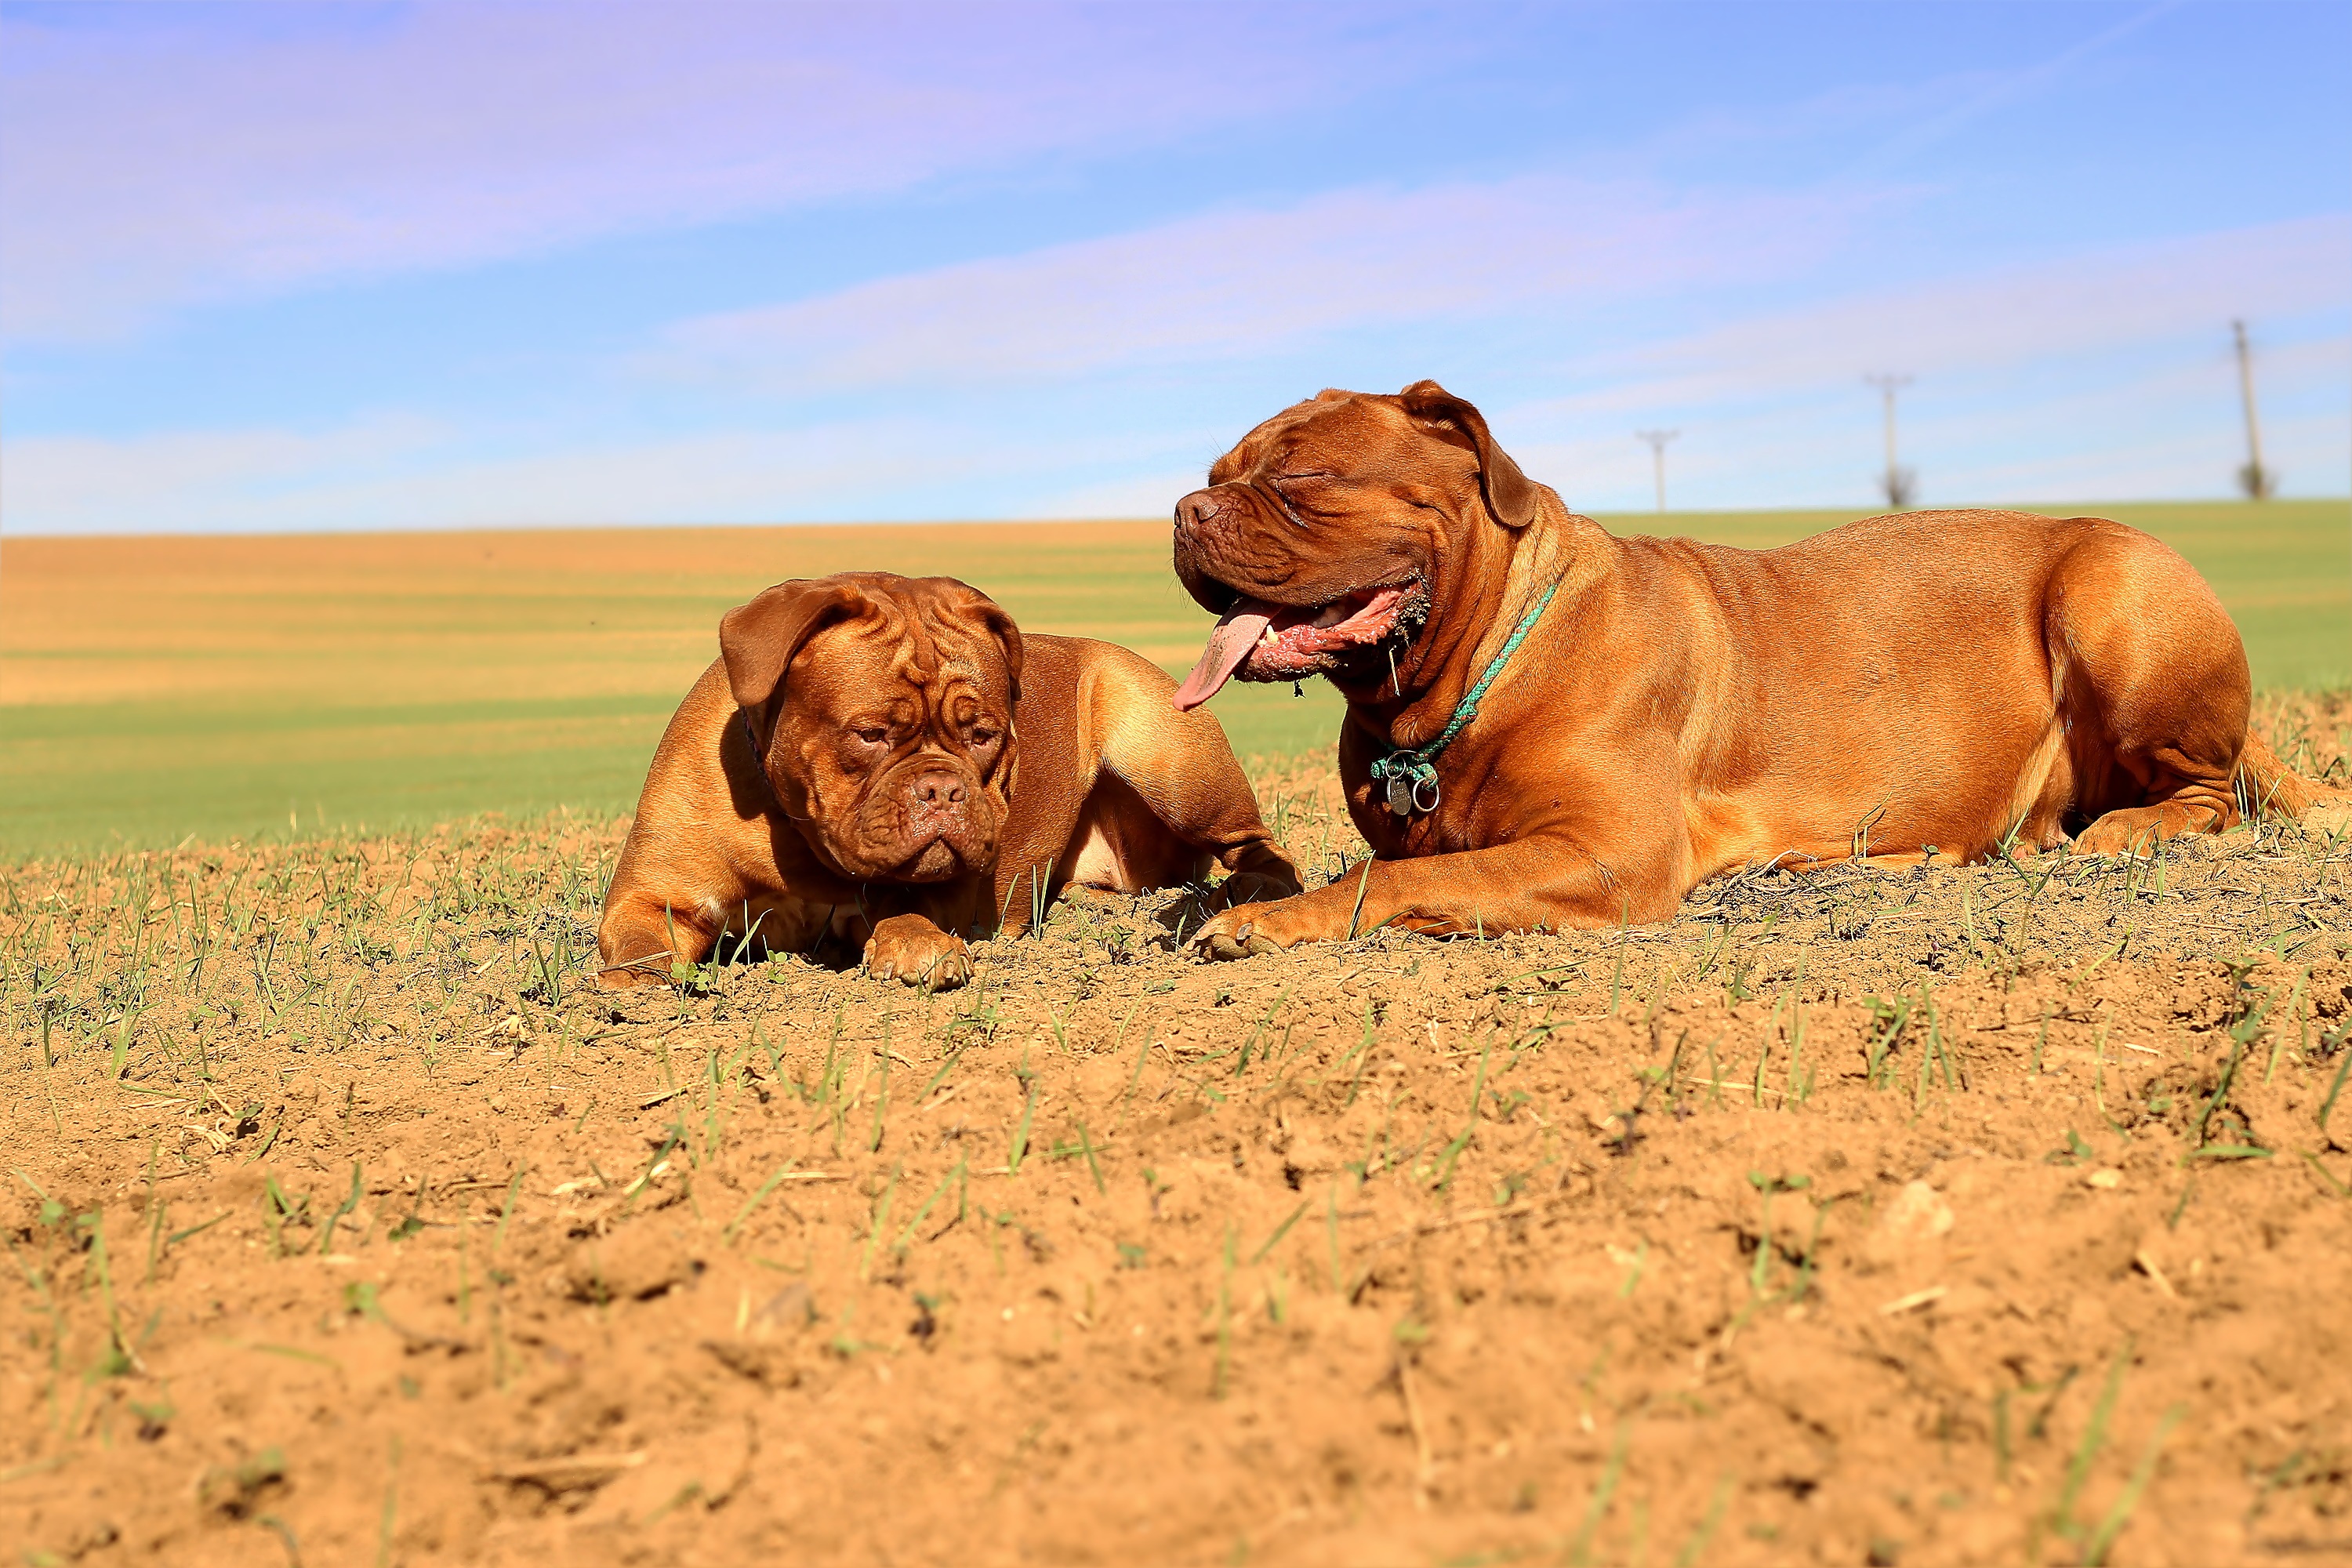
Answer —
1901 483
2256 480
1657 440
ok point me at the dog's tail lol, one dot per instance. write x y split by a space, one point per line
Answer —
2270 789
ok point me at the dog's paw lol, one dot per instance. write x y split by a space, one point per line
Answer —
652 969
1233 934
911 948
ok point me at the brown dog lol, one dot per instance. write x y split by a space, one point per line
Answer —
1962 680
888 760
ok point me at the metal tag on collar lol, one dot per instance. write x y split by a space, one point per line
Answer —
1400 792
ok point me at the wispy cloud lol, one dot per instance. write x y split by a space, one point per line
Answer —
2003 88
2102 374
1243 284
160 157
191 480
2112 297
405 473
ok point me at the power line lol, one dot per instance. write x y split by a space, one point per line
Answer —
1657 440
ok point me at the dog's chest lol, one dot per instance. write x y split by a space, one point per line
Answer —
786 922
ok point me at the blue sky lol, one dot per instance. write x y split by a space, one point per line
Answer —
287 266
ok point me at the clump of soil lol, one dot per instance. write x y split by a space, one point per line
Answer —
2000 1214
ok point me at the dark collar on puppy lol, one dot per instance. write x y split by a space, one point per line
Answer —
759 757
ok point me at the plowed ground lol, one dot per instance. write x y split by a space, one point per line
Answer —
1984 1215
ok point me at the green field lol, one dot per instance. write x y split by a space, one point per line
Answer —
155 689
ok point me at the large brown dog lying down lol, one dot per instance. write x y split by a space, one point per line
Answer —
888 760
1966 680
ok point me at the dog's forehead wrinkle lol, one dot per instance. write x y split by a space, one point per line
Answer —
1357 438
949 656
955 689
870 637
944 620
960 686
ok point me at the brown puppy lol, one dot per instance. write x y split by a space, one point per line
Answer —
1963 681
888 760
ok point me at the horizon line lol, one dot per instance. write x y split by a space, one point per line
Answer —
2046 508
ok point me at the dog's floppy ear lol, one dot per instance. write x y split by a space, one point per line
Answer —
758 640
991 614
1510 494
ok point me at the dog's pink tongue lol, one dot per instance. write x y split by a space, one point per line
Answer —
1228 645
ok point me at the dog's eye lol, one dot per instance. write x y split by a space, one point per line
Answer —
983 738
1304 497
872 735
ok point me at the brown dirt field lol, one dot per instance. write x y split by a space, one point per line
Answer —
1957 1216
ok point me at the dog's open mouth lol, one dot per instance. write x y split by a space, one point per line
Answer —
1257 640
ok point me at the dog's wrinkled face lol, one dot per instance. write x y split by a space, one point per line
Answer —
888 736
1323 538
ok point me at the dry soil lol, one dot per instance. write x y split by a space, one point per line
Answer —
1961 1215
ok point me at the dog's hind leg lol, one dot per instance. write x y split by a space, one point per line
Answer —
2152 687
1180 770
1120 846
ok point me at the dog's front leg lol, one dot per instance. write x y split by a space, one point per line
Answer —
1542 880
643 939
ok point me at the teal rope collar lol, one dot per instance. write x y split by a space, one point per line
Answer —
1411 773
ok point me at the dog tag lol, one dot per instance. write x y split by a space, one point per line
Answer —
1400 795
